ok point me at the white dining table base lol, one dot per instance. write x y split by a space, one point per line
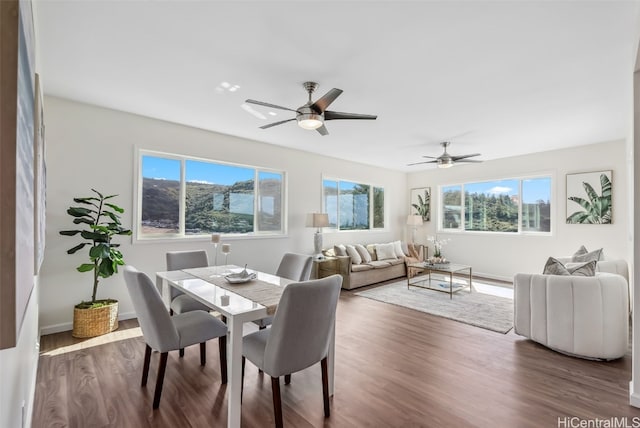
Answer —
235 324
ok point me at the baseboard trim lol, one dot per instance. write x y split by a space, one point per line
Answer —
68 326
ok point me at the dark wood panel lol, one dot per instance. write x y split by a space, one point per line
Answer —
395 368
8 128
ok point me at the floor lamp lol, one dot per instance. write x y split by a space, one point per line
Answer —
319 221
414 221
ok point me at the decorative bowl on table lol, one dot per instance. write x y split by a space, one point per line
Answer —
437 261
240 277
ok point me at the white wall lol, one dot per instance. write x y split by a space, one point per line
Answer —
18 368
504 255
90 147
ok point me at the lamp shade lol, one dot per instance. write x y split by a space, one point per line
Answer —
320 220
414 220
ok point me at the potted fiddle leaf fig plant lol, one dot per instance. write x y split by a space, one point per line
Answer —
100 223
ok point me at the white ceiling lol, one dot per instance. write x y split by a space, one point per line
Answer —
500 78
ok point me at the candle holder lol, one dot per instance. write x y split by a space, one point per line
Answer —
215 240
226 249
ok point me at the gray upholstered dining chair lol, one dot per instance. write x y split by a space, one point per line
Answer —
296 267
164 333
299 336
177 260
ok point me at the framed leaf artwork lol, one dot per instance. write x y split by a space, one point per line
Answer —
421 203
589 198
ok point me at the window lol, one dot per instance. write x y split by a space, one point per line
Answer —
183 196
508 206
353 206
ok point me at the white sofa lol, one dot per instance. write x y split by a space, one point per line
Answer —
582 316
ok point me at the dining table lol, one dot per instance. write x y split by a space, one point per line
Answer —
219 288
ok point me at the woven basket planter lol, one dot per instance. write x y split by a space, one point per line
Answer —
96 321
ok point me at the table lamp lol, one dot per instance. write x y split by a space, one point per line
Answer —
414 221
318 220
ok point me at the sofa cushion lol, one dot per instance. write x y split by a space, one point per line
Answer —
582 255
379 264
405 248
385 251
364 254
340 250
360 268
395 261
353 253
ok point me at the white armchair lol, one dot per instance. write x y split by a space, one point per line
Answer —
586 317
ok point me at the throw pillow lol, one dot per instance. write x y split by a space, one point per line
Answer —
582 269
353 253
554 267
340 250
385 251
405 249
582 255
364 254
371 248
397 248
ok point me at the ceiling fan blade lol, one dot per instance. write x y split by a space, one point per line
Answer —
321 104
430 157
418 163
457 158
260 103
469 161
322 130
276 123
333 115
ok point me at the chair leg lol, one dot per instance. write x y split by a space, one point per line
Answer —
203 353
244 360
181 352
277 404
262 327
222 347
161 369
287 379
325 387
145 367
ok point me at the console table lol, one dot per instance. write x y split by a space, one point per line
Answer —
444 268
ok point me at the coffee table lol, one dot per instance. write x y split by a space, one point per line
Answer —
444 268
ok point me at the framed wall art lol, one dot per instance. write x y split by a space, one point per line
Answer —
421 203
589 198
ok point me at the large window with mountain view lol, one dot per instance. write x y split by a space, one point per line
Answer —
353 206
514 205
182 196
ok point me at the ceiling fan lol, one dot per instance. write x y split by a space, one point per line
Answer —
445 160
313 114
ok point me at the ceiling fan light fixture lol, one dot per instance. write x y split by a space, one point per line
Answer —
445 163
310 121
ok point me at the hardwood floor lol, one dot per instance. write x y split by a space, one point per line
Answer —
395 368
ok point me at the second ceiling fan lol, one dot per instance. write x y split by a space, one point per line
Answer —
313 114
445 160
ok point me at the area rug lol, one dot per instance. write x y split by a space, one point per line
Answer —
476 308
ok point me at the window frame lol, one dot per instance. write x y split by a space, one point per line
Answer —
372 186
181 236
520 232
